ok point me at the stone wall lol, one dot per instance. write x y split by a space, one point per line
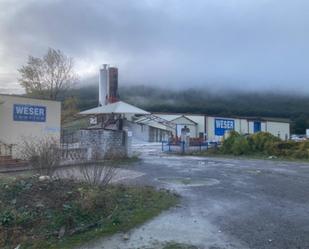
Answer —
103 144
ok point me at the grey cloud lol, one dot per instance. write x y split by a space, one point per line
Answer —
239 44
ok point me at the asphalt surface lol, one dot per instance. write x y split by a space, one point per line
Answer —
226 203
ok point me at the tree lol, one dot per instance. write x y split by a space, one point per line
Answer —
300 124
48 76
69 108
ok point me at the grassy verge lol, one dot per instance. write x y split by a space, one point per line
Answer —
120 163
218 153
174 245
256 156
261 145
64 213
117 163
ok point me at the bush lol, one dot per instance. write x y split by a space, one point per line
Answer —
6 218
240 146
229 142
97 174
304 145
300 154
264 143
44 155
236 144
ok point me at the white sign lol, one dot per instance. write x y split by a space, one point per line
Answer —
93 120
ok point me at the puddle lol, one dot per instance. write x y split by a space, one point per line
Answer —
187 181
254 172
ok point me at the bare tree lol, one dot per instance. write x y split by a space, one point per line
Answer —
43 155
48 76
98 173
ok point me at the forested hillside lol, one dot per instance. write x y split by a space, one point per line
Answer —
200 101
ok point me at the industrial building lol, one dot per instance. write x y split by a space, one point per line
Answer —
114 124
150 131
156 127
26 118
214 128
113 114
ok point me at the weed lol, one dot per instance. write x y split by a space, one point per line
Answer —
61 213
174 245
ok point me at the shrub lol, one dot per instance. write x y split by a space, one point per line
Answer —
300 154
281 148
240 146
236 144
6 218
229 142
285 145
97 174
304 145
44 155
262 142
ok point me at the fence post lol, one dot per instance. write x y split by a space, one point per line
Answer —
162 146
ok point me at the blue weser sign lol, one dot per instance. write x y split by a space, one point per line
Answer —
222 125
32 113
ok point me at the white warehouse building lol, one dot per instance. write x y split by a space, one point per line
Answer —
213 128
26 118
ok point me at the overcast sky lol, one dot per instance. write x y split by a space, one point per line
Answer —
238 44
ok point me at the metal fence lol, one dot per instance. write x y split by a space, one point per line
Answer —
182 147
70 146
69 137
5 150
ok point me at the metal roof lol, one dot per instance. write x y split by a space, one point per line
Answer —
274 119
185 117
157 122
119 107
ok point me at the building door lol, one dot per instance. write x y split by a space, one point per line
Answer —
178 129
256 126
